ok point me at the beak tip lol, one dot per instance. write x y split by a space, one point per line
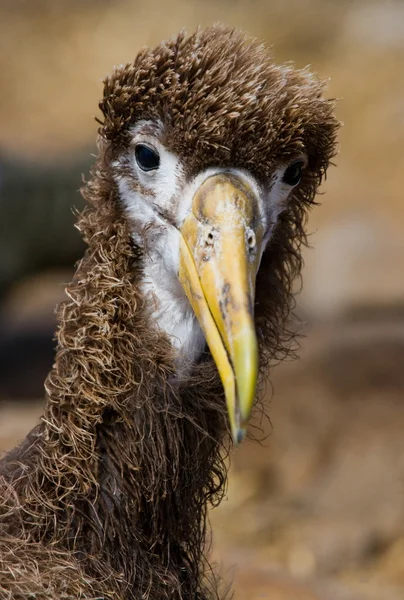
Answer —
239 436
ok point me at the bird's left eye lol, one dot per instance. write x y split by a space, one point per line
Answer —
293 173
147 158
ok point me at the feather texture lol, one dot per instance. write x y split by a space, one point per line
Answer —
107 497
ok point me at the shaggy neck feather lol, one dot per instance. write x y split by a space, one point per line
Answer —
122 469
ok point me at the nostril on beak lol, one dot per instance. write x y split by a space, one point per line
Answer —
251 240
209 240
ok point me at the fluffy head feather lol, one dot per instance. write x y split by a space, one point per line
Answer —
222 101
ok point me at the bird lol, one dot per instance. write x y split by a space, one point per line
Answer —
209 159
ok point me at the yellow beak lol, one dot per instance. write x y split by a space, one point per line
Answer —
220 250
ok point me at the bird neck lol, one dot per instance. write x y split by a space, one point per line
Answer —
134 453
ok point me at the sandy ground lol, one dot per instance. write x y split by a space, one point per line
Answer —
316 510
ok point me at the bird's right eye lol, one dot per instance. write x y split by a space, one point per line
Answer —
147 158
293 173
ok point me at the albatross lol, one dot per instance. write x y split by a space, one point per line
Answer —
209 157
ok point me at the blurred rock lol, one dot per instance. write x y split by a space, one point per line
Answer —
37 222
27 328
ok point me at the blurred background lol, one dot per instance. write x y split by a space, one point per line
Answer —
316 512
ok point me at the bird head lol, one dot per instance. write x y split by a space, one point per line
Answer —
216 153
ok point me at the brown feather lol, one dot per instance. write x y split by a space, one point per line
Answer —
107 497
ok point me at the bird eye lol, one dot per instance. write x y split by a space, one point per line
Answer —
293 173
147 158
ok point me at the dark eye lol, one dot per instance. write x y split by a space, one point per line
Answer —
293 173
147 158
